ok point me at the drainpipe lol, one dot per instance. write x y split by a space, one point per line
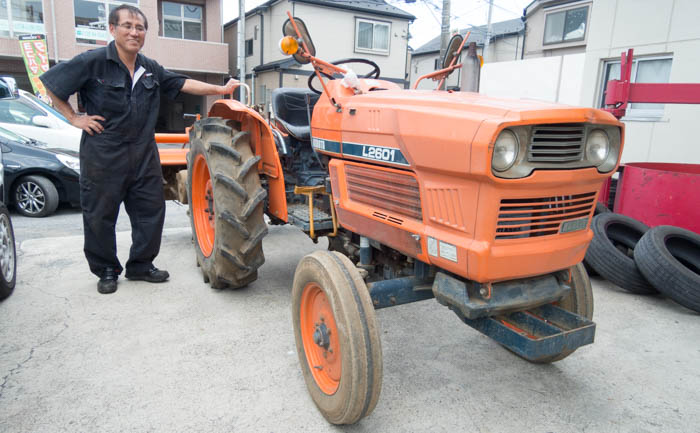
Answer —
262 36
241 46
522 48
55 38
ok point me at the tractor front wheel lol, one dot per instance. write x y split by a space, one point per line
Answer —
226 204
337 337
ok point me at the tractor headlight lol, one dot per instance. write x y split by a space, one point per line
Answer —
505 150
597 147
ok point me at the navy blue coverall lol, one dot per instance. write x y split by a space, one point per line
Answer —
121 164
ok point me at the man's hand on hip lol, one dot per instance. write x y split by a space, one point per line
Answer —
89 124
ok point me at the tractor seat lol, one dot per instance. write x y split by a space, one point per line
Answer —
289 111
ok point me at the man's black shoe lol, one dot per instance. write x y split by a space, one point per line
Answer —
108 282
153 275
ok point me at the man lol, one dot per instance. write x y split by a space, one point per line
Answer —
120 89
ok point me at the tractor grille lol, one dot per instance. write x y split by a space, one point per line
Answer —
561 142
394 193
532 217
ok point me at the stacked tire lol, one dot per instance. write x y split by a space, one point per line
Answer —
663 259
669 258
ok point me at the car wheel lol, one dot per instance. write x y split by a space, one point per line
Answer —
35 196
8 255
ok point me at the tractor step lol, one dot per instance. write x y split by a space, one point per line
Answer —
298 215
539 333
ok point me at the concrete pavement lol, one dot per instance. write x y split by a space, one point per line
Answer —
180 356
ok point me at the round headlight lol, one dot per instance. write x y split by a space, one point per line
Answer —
597 146
505 151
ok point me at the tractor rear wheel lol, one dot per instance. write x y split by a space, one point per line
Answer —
337 337
226 204
578 301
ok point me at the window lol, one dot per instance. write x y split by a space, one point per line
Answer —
21 17
566 26
644 70
248 47
18 112
372 36
182 21
91 20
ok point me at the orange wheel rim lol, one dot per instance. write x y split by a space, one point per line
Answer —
319 334
203 205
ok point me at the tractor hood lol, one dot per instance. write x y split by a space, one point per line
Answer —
474 106
428 129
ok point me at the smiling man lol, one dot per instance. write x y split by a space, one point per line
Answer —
120 89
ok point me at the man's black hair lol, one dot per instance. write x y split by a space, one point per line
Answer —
133 10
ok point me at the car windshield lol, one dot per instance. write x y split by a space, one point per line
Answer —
46 106
9 135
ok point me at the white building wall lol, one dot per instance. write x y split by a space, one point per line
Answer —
552 79
651 27
500 50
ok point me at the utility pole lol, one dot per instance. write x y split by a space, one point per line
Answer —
444 32
488 30
445 28
241 48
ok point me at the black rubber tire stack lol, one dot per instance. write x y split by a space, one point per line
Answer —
611 252
669 257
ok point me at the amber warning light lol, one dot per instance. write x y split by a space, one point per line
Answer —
289 45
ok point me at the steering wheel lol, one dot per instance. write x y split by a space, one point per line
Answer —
374 73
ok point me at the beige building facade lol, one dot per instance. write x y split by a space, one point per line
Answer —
339 29
183 36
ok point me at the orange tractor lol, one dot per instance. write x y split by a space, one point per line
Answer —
481 203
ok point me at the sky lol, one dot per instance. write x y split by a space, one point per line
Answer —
428 13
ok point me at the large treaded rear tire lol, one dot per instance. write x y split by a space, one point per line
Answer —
226 204
669 257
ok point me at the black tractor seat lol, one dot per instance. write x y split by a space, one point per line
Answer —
290 111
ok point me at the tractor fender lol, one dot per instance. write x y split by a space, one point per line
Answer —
263 144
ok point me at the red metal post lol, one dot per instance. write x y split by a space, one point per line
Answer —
619 93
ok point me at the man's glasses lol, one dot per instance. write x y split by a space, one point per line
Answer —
129 28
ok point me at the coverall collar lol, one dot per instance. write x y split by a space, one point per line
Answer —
113 55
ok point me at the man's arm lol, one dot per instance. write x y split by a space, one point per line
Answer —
89 124
196 87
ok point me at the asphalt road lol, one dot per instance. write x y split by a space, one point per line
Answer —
181 357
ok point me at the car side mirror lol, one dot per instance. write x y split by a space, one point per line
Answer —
41 121
8 88
5 148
